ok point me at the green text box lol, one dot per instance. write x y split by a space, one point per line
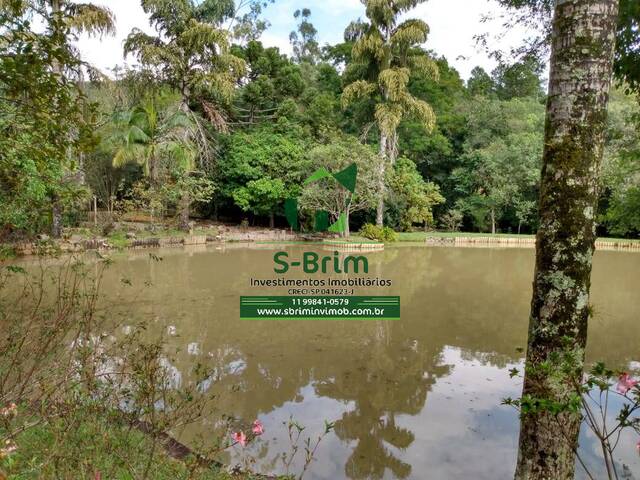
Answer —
319 308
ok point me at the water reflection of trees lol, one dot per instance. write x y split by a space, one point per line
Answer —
391 379
476 300
383 369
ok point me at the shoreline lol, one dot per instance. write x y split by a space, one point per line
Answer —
223 234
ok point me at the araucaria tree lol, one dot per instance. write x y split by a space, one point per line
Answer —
191 50
385 55
583 41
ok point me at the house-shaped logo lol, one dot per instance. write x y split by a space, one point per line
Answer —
347 179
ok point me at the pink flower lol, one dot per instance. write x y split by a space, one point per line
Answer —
258 428
239 437
9 448
9 411
625 383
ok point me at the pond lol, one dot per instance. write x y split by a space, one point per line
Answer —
414 398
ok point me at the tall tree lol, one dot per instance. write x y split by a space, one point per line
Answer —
76 18
480 83
385 53
536 15
519 79
304 40
37 108
191 50
247 22
583 41
191 53
262 168
500 165
64 21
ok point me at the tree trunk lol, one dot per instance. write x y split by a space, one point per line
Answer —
347 230
272 220
581 64
185 211
56 218
381 180
56 205
493 221
153 172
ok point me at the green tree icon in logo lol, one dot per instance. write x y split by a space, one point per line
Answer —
347 179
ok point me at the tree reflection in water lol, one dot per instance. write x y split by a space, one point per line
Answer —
393 379
371 378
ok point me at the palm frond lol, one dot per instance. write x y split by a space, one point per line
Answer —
181 153
381 12
356 90
410 32
388 117
394 81
406 5
136 135
179 123
425 66
130 153
91 19
420 110
369 45
356 30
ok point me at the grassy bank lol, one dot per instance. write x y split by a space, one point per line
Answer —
423 236
98 447
83 397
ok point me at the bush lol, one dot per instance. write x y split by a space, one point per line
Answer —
452 220
382 234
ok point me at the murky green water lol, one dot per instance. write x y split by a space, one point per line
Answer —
416 398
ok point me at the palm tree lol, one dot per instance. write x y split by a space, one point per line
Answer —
385 55
149 137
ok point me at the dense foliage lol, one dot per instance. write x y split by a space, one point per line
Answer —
213 124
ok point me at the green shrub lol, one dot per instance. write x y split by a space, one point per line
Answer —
381 234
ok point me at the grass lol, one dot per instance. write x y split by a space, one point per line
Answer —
98 447
7 252
118 240
422 236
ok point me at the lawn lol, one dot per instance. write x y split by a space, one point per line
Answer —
422 236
